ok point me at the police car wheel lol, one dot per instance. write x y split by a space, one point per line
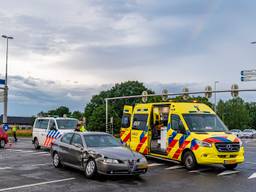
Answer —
90 169
231 166
36 144
56 160
2 144
189 160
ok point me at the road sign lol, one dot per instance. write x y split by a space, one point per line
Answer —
248 78
2 82
6 127
248 72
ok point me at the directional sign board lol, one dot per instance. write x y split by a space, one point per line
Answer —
2 82
6 127
248 78
248 75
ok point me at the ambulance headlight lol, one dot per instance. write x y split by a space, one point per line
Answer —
203 143
110 161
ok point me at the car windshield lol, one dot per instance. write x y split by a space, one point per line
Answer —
101 141
66 123
204 123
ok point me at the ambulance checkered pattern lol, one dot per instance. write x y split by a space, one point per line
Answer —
51 136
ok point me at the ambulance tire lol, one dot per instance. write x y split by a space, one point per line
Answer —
231 166
189 160
36 144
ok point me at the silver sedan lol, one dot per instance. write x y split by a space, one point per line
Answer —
97 153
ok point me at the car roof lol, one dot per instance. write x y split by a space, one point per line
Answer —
61 118
92 133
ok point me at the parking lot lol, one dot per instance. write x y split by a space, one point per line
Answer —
24 169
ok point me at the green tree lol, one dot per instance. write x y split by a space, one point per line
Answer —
251 107
95 109
78 115
60 111
234 113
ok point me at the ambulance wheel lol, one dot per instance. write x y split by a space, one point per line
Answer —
231 166
36 144
189 160
2 143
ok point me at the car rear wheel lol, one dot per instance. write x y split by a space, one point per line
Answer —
2 143
189 160
231 166
36 144
90 169
56 160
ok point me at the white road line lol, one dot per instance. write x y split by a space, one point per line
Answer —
3 168
36 184
228 172
200 170
248 162
252 176
154 164
43 164
174 167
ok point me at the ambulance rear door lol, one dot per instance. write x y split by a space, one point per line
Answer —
125 131
141 130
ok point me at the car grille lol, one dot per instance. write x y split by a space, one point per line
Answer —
227 147
131 164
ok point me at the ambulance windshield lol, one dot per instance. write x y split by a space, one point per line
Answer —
204 123
66 123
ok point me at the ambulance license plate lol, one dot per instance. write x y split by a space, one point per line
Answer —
228 162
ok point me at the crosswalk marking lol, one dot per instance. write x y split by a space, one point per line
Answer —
200 170
154 164
252 176
174 167
3 168
228 172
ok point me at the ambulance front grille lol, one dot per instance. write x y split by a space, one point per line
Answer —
227 147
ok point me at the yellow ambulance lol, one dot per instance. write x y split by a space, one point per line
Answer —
186 132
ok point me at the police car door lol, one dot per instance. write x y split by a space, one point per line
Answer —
125 131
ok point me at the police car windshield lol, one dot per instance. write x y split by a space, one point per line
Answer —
204 123
101 141
66 123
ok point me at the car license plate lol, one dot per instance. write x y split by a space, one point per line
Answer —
227 162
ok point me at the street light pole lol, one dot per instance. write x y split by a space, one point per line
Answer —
215 96
6 78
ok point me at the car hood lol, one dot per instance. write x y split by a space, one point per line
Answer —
215 137
120 153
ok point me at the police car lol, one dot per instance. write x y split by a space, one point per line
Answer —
47 129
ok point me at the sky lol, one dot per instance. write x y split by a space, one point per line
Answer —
64 51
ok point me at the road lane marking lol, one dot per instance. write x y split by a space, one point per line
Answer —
42 164
154 164
252 176
248 162
199 170
228 172
3 168
174 167
37 184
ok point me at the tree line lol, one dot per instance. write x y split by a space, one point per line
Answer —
236 113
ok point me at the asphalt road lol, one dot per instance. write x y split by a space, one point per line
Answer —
24 169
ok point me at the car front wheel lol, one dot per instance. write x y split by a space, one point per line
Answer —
36 144
2 144
90 169
56 160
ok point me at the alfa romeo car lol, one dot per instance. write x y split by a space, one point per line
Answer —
97 153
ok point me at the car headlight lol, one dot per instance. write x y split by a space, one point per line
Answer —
110 161
143 160
203 143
